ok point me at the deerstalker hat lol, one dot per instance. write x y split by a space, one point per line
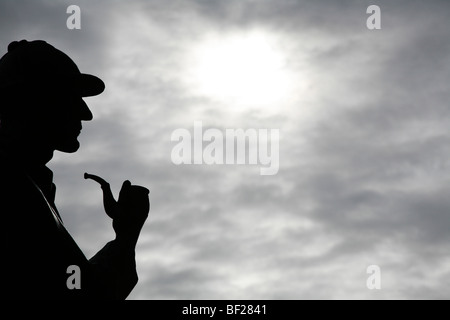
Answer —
40 66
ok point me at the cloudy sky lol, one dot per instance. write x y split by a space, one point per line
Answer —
364 122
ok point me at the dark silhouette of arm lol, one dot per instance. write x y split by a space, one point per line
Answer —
129 213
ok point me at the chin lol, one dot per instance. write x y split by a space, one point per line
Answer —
69 147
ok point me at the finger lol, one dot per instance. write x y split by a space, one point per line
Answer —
126 184
141 190
125 191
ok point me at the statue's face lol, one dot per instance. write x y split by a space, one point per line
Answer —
38 124
58 125
67 123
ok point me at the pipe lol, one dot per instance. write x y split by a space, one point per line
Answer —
110 204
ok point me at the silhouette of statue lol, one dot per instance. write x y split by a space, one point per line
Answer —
41 110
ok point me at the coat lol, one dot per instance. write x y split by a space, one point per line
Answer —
37 251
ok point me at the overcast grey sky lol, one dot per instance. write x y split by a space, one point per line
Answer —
364 120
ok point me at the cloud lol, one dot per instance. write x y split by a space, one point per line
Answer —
363 147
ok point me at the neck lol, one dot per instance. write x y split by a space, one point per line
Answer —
30 157
35 158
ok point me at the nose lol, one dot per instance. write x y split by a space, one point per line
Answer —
85 112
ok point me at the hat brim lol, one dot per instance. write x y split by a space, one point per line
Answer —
87 85
83 85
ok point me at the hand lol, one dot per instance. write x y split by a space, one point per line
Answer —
129 213
133 209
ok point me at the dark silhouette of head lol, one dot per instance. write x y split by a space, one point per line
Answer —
41 105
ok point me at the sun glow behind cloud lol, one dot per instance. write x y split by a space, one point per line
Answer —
245 71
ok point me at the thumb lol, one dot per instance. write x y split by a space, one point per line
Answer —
126 184
125 191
